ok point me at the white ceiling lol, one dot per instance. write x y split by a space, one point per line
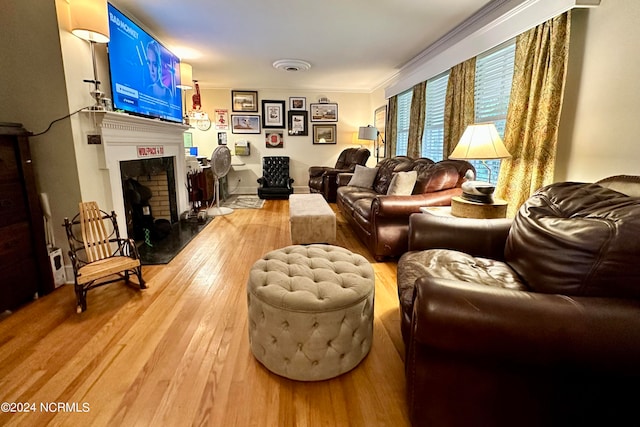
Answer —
352 45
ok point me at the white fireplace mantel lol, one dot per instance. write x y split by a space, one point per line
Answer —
122 137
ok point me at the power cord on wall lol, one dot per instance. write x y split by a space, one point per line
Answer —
237 186
57 120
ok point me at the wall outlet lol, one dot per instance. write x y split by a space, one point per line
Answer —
94 139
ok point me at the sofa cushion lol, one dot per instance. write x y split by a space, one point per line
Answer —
357 199
402 183
577 239
362 211
363 176
386 168
439 176
449 264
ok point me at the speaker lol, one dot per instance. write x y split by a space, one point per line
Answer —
57 266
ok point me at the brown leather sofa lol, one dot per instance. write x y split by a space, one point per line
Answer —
381 221
322 179
534 322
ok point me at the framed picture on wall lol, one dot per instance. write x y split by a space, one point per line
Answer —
380 123
298 123
188 139
324 112
297 103
222 119
274 139
241 123
324 134
272 114
244 101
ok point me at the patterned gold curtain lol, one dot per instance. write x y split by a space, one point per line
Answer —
459 104
416 120
537 90
391 128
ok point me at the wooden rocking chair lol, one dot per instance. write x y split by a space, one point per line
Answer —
98 255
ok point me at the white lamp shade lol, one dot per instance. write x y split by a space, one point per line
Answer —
89 20
481 142
368 132
186 76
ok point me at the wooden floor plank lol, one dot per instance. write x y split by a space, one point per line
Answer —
177 353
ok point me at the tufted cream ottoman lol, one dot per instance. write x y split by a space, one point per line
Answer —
310 311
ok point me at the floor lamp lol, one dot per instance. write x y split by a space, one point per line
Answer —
90 22
371 134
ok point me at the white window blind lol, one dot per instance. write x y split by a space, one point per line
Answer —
433 136
404 113
494 73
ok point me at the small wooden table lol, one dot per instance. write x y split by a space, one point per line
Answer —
467 209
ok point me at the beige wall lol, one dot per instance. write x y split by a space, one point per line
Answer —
33 90
600 122
354 110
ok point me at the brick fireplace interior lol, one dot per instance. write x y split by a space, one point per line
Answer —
149 190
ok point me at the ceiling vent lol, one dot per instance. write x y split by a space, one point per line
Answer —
291 65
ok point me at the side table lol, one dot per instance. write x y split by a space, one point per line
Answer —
437 210
467 209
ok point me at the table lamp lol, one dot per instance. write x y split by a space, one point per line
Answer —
479 141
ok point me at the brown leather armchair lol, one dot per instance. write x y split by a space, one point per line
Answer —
529 323
322 179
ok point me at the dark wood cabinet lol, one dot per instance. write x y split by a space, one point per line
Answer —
25 270
201 188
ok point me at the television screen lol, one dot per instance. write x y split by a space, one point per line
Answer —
144 74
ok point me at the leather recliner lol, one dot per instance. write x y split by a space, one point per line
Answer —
275 182
534 322
322 179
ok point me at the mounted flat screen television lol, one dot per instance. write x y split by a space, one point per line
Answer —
144 74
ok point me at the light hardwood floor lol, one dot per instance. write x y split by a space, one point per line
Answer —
177 353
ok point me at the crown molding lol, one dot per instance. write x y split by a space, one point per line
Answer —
497 22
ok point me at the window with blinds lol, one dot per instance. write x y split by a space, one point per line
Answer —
494 73
404 112
433 136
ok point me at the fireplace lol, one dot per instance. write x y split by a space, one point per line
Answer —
130 138
149 190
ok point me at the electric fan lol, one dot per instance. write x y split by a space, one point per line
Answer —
220 165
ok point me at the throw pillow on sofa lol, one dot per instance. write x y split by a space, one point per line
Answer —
363 177
402 183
